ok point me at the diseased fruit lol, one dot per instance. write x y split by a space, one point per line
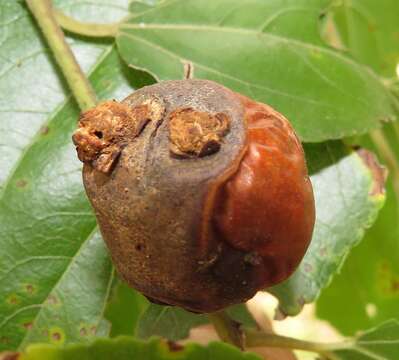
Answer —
201 194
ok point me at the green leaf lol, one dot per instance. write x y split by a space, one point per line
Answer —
124 309
170 322
125 348
257 48
174 323
369 30
348 197
371 272
31 87
380 343
49 248
54 269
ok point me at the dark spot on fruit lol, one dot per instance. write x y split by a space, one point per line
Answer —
253 259
139 247
99 134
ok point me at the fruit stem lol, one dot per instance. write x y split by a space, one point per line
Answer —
382 144
83 28
227 329
231 332
256 338
77 81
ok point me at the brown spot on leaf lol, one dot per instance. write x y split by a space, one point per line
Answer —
387 280
21 183
4 340
371 27
93 330
378 172
195 133
395 285
83 331
52 300
44 130
323 251
9 355
13 299
174 347
307 267
28 325
30 289
56 336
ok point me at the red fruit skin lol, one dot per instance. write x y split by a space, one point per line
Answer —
267 206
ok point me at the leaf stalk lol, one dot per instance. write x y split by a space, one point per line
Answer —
83 28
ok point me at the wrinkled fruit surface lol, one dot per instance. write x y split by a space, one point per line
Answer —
201 194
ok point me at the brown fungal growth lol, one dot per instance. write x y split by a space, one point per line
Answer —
196 133
378 172
104 130
207 199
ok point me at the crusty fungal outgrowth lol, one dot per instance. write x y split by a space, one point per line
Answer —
201 194
196 133
105 129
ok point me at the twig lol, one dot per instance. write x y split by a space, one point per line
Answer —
77 81
255 338
227 329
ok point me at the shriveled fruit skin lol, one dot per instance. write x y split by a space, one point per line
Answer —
204 200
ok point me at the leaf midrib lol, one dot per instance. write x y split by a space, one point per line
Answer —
358 67
252 32
233 78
